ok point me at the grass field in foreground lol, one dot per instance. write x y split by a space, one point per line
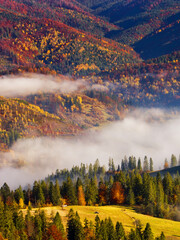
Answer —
125 215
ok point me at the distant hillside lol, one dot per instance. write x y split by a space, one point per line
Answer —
172 171
37 43
150 26
69 12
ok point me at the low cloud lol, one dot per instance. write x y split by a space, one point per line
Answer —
151 132
26 84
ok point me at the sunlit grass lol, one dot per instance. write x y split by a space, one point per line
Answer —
125 215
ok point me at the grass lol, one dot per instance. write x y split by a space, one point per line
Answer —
125 215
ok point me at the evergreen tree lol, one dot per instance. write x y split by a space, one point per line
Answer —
5 192
68 191
168 187
18 194
132 235
91 192
120 233
130 197
139 167
74 228
138 188
159 200
110 230
56 193
97 227
38 227
58 222
146 165
173 160
148 235
151 164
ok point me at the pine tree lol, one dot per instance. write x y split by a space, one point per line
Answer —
173 160
97 227
138 188
74 228
168 187
68 191
151 164
91 192
110 230
145 165
58 222
5 192
130 197
120 233
132 235
148 235
139 165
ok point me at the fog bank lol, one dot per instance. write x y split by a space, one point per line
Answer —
26 84
153 132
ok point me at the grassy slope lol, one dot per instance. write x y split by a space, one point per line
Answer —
122 214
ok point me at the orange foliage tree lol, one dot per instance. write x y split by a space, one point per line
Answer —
81 197
117 193
54 233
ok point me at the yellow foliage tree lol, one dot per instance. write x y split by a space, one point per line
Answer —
21 203
81 198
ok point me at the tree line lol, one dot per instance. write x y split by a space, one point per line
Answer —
37 226
92 185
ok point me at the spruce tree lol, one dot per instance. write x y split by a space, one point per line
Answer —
151 164
58 222
148 235
120 233
74 227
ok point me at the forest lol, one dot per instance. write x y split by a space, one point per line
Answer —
129 184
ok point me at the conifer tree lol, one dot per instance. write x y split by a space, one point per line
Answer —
151 164
145 164
74 227
148 235
173 160
130 197
120 233
58 222
139 167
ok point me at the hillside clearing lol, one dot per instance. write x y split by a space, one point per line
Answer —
125 215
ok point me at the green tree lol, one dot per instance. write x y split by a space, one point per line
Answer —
151 164
58 222
139 167
68 191
74 227
120 233
173 160
97 227
148 235
145 164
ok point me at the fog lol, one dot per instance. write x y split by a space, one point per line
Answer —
26 84
151 132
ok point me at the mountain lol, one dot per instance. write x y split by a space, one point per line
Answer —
50 115
126 51
150 26
36 42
